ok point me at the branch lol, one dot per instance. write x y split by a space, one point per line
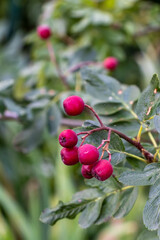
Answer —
146 31
80 65
71 122
149 156
9 115
96 115
54 61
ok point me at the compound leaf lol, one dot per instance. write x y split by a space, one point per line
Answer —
148 176
147 99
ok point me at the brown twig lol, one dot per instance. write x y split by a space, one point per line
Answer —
80 65
149 156
95 114
54 61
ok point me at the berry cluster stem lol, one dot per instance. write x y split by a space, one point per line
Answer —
96 115
54 61
148 156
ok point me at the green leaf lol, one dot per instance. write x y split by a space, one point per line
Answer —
117 117
86 194
148 235
6 84
107 108
130 94
127 127
90 213
14 107
147 98
157 123
39 104
31 137
116 148
51 216
109 90
107 186
53 119
81 55
151 213
39 93
69 210
100 86
127 200
109 207
100 18
148 176
96 203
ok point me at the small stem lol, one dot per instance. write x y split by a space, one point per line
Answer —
78 84
96 115
149 156
71 122
84 138
153 141
130 155
54 61
107 145
80 65
139 134
9 115
155 155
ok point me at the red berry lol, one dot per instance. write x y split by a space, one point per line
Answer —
86 171
102 170
68 138
88 154
110 63
44 31
69 155
73 105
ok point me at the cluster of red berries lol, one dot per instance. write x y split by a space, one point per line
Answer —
86 154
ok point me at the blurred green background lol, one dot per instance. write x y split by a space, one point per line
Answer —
32 176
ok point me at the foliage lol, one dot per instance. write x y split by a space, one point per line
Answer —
31 94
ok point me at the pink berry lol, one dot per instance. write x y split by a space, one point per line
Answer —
68 138
86 171
73 105
44 31
110 63
69 155
88 154
102 170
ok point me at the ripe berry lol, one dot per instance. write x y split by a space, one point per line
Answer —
86 171
102 170
69 155
68 138
110 63
88 154
73 105
44 31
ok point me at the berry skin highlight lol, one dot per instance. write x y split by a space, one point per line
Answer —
88 154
